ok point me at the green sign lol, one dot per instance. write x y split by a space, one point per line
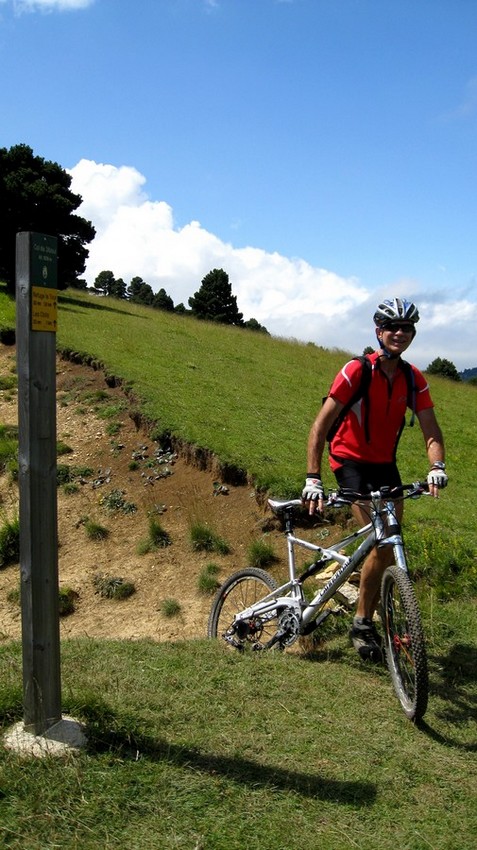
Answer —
43 260
43 282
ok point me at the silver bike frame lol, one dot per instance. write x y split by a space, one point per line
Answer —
290 595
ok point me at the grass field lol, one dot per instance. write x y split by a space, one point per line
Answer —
193 747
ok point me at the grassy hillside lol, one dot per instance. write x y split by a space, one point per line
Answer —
247 397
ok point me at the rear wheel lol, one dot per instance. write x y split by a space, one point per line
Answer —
239 592
405 648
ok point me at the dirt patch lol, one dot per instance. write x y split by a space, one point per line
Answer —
94 421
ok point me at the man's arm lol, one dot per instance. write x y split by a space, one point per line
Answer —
316 444
434 445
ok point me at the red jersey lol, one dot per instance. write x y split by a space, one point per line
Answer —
387 403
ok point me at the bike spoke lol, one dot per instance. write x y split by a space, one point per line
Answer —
404 642
239 592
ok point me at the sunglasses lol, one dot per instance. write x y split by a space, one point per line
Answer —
405 327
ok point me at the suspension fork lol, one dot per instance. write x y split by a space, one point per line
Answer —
391 536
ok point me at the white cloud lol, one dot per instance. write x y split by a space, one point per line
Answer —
137 236
50 5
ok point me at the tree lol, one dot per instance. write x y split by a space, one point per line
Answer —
119 289
163 301
253 325
214 300
104 283
36 196
140 292
441 366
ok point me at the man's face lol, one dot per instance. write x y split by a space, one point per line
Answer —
396 336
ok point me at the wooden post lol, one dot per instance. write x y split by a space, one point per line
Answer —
36 363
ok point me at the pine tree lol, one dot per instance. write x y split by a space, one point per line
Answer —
214 300
36 196
441 366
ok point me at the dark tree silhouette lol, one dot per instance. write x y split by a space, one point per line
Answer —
253 325
140 292
441 366
163 301
36 196
214 300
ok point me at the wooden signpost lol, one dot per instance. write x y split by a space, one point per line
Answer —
36 307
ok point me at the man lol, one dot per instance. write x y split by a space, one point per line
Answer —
363 448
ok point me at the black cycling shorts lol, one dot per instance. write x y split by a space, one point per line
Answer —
365 477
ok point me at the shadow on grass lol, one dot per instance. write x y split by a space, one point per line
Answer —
453 681
69 305
107 732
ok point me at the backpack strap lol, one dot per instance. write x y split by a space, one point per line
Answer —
411 389
360 392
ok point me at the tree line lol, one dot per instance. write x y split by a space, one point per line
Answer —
214 301
36 196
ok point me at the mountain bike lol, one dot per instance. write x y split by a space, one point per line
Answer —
250 611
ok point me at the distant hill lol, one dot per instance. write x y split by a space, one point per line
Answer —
467 374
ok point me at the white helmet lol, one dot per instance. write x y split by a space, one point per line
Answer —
399 309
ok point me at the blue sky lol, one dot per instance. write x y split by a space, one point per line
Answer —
322 152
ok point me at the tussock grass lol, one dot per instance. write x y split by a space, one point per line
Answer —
66 474
260 553
94 530
113 587
205 539
63 448
9 540
66 601
8 447
208 582
158 538
8 382
170 607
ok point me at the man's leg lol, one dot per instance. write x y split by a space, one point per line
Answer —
373 568
363 633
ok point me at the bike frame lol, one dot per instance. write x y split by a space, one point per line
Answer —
382 530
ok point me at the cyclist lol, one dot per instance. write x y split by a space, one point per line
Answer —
364 458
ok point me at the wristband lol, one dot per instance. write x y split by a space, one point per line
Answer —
313 474
438 464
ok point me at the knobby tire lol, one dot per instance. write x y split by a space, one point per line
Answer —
404 642
238 592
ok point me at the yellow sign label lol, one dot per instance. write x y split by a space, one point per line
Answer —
44 312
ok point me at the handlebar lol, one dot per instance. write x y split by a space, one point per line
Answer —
346 496
340 498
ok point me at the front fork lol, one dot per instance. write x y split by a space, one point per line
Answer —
389 534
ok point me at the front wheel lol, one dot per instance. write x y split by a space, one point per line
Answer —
405 647
238 592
